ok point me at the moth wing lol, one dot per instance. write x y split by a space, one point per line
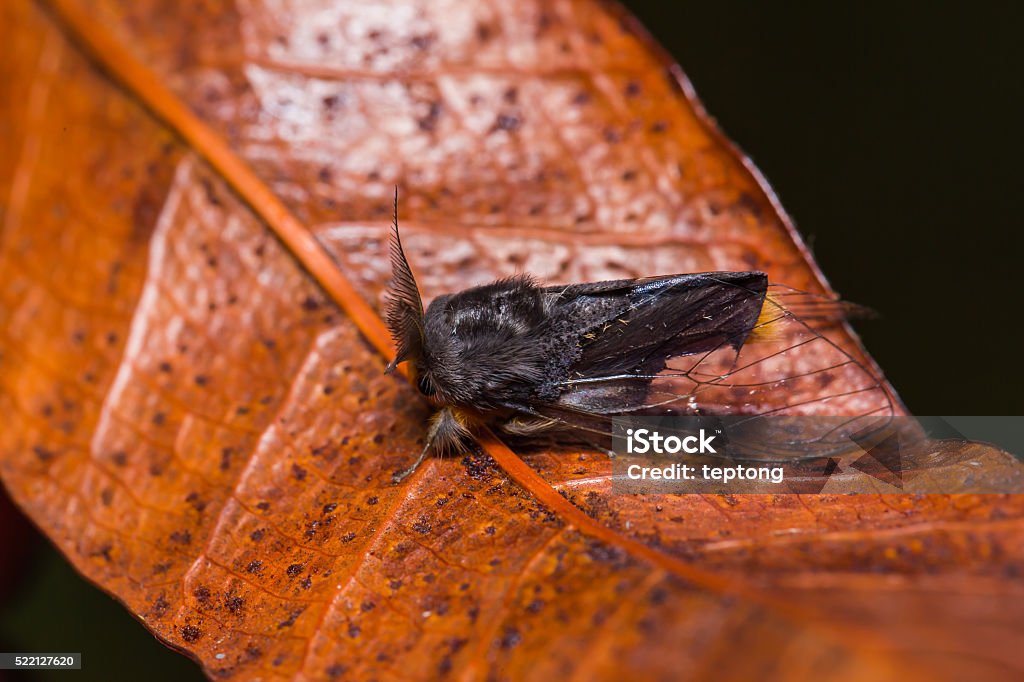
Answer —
774 375
633 327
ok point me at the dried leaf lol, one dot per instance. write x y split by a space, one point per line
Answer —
193 225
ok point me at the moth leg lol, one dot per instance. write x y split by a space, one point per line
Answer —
597 446
448 431
532 426
528 426
399 476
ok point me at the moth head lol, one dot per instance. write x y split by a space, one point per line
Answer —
404 313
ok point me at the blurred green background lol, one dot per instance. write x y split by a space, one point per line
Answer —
892 136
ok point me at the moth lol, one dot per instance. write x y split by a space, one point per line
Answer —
530 359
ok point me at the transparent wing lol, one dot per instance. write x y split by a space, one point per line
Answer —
795 392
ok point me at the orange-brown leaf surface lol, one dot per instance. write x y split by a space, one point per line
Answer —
195 201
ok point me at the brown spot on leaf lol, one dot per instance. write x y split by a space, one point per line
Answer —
234 603
43 454
182 537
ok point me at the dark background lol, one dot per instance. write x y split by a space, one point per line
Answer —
892 137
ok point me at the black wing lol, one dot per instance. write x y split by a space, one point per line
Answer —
630 329
710 344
